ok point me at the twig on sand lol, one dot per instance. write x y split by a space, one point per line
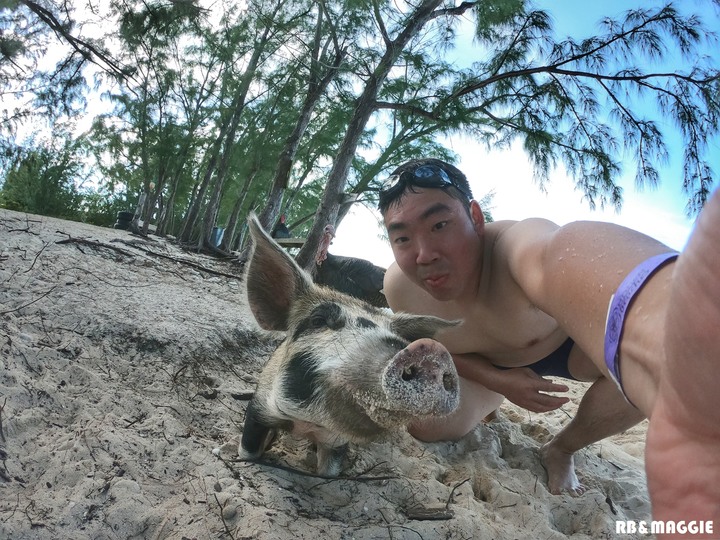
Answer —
45 245
358 478
29 303
181 261
222 516
452 493
436 511
102 245
4 476
93 243
2 408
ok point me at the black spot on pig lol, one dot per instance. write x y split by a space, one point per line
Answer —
366 323
302 378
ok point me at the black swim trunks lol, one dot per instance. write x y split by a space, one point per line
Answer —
554 364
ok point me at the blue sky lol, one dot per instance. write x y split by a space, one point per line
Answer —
657 212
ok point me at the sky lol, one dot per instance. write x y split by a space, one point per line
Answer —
659 213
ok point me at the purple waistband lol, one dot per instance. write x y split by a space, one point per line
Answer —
619 305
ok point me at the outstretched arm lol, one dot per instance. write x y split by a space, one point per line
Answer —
682 458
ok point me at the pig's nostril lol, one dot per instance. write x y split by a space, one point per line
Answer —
448 382
409 373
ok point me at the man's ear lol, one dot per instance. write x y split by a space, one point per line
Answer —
477 217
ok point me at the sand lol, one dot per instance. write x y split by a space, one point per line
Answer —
125 369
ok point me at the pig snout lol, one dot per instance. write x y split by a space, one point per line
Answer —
422 380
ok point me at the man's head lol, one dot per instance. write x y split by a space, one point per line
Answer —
424 173
435 228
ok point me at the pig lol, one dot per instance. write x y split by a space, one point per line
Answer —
346 371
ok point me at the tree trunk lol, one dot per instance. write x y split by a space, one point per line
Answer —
231 228
198 197
365 105
166 214
211 212
196 117
316 87
220 152
213 207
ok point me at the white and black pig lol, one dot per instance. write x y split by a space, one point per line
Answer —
346 372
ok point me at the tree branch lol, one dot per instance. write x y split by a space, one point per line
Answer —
87 50
553 69
455 11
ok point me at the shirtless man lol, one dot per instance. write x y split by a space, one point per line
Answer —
535 297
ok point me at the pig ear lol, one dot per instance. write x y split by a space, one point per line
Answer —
414 327
274 280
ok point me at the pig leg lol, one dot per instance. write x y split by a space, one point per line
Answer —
330 459
257 436
330 447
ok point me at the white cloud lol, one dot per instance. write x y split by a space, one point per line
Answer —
360 235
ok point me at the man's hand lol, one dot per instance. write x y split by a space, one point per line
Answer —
526 389
522 386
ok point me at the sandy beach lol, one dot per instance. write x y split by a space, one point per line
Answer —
126 365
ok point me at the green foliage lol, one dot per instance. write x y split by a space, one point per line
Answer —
495 18
99 207
589 103
41 182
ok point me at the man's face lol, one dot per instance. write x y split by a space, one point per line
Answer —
435 243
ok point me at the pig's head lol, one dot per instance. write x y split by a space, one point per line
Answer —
345 365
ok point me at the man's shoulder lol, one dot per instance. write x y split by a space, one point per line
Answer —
396 282
518 253
402 294
524 226
394 277
510 236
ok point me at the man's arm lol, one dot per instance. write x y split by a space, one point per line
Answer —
522 386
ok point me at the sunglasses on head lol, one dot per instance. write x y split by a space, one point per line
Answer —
425 176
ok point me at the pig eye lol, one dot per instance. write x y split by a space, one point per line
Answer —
326 315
